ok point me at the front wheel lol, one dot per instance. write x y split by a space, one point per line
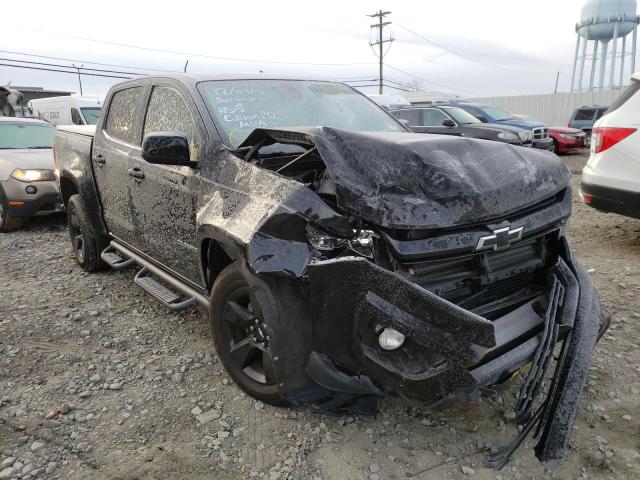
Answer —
241 337
8 223
83 239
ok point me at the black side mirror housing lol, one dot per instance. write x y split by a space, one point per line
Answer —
448 123
480 117
166 148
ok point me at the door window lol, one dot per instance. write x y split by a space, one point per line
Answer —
410 115
121 118
168 112
434 118
75 117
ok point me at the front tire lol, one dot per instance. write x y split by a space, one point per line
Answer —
83 239
241 338
8 223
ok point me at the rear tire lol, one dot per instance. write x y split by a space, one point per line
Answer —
83 239
8 223
241 338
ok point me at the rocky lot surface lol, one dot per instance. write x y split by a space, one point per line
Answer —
98 381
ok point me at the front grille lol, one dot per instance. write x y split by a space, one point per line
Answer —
540 133
484 282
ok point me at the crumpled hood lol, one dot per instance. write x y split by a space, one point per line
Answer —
408 180
37 158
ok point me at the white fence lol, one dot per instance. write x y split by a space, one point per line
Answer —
552 109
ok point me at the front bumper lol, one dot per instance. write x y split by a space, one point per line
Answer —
543 144
450 354
570 145
46 200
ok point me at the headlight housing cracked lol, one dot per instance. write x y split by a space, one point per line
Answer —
33 175
324 246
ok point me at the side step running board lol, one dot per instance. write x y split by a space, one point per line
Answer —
110 256
121 256
161 293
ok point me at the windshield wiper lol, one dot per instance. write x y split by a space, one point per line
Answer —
34 148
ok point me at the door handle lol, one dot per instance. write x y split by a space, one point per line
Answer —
99 159
136 173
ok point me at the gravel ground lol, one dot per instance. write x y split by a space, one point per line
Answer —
99 381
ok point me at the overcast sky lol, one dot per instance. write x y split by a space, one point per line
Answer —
517 46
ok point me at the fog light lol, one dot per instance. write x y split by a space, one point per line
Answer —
390 339
31 190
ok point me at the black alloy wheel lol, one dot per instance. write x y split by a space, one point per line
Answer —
245 335
77 239
242 336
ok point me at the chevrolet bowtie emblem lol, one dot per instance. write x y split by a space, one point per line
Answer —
499 239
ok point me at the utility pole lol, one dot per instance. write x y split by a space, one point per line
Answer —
380 43
79 78
555 90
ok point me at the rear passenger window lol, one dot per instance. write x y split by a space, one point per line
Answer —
121 118
168 112
584 114
600 113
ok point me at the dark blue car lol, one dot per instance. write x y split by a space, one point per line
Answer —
488 114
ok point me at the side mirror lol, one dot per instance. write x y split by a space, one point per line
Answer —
480 117
404 121
448 123
166 148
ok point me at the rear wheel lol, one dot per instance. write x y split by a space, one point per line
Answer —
8 223
83 239
241 337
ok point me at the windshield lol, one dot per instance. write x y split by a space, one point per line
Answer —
26 135
90 114
498 113
240 106
461 116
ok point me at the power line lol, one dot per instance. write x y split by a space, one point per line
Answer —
380 26
60 71
429 81
466 57
75 60
69 66
200 55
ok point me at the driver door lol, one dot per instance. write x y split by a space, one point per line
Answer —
165 197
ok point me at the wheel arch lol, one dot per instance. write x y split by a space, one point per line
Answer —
68 187
215 255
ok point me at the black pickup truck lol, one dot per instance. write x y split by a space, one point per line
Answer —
340 256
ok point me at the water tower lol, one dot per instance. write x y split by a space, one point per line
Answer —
606 24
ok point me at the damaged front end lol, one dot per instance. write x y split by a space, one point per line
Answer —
436 278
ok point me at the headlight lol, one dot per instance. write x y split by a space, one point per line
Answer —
508 136
566 135
33 175
325 246
524 135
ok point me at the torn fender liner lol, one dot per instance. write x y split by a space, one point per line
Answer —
410 180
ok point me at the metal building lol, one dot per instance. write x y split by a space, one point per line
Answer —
606 24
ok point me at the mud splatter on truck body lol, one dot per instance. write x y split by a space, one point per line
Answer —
342 234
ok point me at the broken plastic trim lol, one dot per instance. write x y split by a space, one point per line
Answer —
580 318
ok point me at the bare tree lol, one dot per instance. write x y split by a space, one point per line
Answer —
415 85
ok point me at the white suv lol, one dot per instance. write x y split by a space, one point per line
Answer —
611 178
